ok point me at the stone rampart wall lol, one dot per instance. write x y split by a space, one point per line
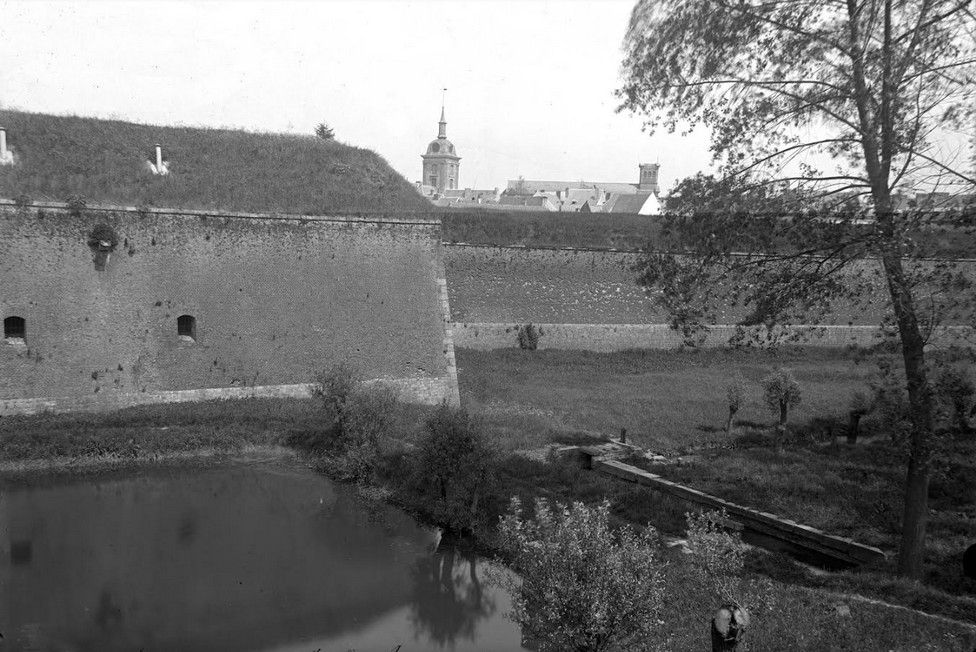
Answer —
514 285
274 300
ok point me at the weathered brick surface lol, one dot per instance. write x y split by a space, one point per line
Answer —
276 299
518 284
619 337
592 286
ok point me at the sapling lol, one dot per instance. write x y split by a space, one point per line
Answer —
780 393
859 406
735 394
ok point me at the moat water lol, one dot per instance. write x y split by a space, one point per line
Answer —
245 555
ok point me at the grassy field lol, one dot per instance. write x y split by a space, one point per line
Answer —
673 402
669 401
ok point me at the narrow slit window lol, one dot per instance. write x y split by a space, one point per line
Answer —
186 328
14 329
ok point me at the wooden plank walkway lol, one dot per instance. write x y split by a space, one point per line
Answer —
599 458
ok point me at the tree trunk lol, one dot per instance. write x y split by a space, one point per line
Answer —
783 407
728 425
912 551
876 142
853 423
911 555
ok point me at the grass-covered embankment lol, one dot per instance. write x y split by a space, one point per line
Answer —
105 161
149 433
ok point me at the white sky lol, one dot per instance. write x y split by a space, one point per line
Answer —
530 82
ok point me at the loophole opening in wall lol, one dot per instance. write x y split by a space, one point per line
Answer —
186 328
15 329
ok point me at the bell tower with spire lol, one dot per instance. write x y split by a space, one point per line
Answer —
441 162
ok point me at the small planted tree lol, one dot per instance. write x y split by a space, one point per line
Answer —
735 395
780 393
580 587
859 405
324 131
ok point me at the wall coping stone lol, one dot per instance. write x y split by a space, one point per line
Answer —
354 218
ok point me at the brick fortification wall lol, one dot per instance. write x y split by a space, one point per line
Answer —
589 299
275 299
505 285
559 286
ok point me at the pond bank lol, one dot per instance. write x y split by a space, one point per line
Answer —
206 433
104 461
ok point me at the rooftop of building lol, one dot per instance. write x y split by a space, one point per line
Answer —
533 185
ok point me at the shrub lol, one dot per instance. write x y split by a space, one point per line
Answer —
456 460
579 586
718 557
528 337
358 417
955 392
716 566
103 237
334 389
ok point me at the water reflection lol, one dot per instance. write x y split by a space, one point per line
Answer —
239 557
448 598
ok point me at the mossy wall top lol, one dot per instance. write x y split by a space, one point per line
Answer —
273 300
